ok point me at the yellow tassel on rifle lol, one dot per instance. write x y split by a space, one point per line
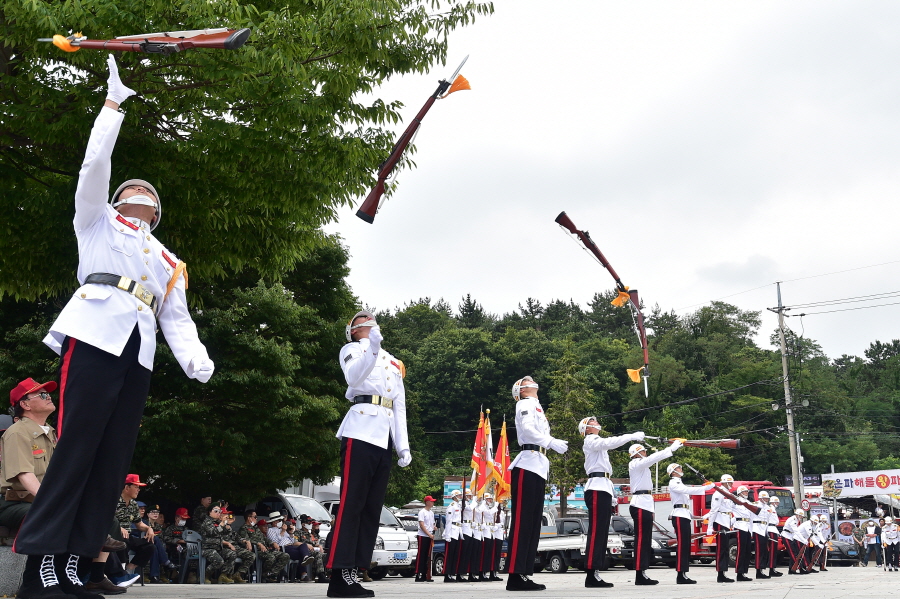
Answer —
64 44
459 84
635 374
621 300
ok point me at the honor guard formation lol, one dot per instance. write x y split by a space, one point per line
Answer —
106 337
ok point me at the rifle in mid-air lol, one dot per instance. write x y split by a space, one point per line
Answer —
163 42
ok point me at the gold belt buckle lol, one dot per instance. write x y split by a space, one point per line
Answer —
143 294
124 283
383 401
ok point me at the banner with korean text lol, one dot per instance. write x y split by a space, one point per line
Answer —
858 484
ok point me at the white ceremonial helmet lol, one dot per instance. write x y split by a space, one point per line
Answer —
636 449
727 478
742 489
455 493
888 519
367 323
139 199
671 468
488 496
526 382
774 499
799 512
582 426
763 495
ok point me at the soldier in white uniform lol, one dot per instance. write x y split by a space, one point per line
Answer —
772 533
106 336
681 518
598 494
426 541
469 547
529 471
642 505
719 518
820 539
493 537
483 538
376 420
452 536
890 535
789 534
759 526
742 519
803 535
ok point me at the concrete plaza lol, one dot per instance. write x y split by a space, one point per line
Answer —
855 583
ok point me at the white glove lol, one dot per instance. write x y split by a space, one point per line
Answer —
709 529
375 338
405 458
676 445
638 436
203 369
559 446
116 90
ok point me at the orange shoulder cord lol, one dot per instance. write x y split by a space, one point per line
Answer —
179 269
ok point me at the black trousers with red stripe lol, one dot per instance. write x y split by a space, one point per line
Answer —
469 548
721 547
762 551
744 541
101 400
423 557
365 469
683 536
451 557
773 549
599 505
525 530
643 531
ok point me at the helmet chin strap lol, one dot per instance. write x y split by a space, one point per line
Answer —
138 200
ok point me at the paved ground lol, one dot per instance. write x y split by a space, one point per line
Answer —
850 583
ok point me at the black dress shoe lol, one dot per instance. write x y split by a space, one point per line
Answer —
471 579
105 586
743 578
593 580
773 573
723 578
640 578
683 579
449 579
495 578
761 576
521 582
459 578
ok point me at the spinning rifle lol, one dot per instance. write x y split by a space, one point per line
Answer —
626 296
370 205
753 508
164 42
709 443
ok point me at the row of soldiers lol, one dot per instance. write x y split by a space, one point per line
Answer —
473 533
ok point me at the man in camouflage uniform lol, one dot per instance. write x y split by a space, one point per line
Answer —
318 542
173 536
218 552
201 511
128 515
242 548
273 561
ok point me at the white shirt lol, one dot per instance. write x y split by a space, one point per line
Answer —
491 525
890 533
468 515
368 373
719 511
742 516
532 428
680 494
596 459
642 479
870 530
275 535
102 315
478 520
452 519
427 518
760 521
790 527
773 519
803 532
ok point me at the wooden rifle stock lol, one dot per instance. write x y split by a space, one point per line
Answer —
585 237
159 43
723 443
753 508
370 205
796 565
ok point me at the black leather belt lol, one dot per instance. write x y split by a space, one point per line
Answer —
532 447
598 475
374 399
125 284
680 505
742 519
642 492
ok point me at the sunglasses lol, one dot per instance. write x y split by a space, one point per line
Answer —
43 395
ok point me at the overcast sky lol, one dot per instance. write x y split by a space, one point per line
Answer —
709 148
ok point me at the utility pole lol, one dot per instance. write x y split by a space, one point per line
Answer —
792 435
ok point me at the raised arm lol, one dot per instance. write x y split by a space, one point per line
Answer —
358 360
93 178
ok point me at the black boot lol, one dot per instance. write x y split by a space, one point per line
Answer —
70 569
344 584
483 577
521 582
593 579
40 581
459 578
472 578
419 578
683 579
723 578
743 578
761 576
773 573
641 578
449 578
494 577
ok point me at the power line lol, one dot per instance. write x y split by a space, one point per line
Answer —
848 309
845 300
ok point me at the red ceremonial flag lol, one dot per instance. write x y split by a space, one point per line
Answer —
477 462
501 465
486 474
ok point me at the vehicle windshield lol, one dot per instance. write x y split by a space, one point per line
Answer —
310 507
786 504
388 518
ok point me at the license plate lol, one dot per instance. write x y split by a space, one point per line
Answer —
399 556
672 553
851 552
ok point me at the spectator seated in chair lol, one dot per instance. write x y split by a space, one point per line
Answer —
128 515
281 559
160 557
219 552
242 547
